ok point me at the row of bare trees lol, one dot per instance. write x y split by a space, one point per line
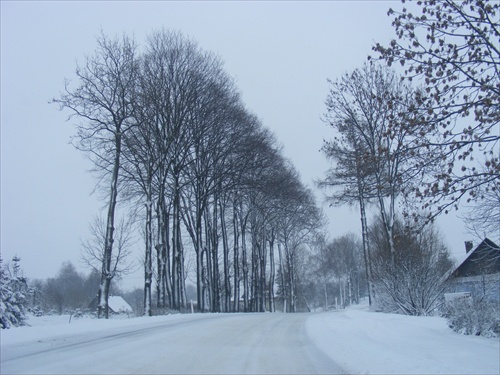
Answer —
167 132
340 263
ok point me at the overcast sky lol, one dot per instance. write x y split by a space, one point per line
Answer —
280 53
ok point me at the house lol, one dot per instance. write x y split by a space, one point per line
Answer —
479 273
483 260
117 305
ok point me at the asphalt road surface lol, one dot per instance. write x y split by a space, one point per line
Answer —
200 344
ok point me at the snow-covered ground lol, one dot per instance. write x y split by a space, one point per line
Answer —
364 342
180 344
354 341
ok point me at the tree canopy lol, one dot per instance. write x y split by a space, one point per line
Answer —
451 48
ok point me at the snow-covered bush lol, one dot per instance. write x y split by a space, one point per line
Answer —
410 281
13 293
472 316
478 313
35 311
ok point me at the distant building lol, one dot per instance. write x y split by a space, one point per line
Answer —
479 273
116 304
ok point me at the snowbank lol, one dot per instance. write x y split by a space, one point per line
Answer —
364 342
53 326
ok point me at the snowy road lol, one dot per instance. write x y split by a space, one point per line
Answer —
195 344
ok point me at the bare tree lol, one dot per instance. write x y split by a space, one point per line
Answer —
375 159
451 48
66 290
103 101
92 251
342 259
138 170
352 182
482 217
296 228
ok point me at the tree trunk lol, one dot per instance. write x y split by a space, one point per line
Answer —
291 277
225 245
148 262
166 248
366 248
236 261
326 297
106 276
182 276
255 269
199 261
208 250
282 277
262 264
102 297
216 302
388 223
246 285
159 275
271 272
175 245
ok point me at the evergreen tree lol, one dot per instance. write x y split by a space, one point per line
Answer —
13 295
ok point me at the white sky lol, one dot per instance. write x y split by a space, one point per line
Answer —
281 54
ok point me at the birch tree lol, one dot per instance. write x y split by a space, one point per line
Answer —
102 102
364 107
350 182
140 167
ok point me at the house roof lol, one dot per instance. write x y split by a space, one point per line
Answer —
483 260
118 304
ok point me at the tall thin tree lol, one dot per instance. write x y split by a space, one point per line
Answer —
103 102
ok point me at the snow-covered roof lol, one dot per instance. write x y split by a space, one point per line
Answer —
118 304
485 245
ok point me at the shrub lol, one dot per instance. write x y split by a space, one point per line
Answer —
411 280
474 317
